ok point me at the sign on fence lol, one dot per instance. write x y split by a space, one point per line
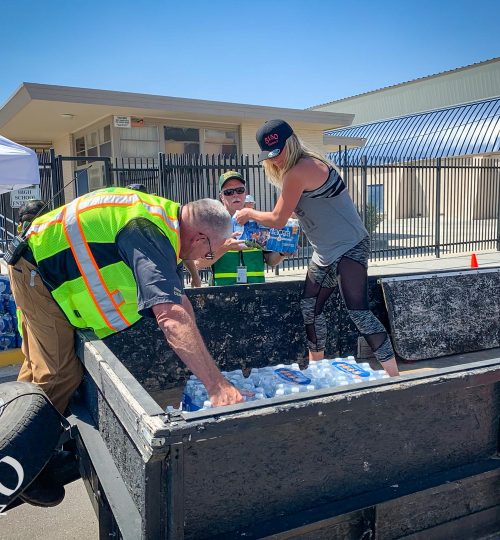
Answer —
20 196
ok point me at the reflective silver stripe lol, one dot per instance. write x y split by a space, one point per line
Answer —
110 198
106 199
173 223
90 274
39 227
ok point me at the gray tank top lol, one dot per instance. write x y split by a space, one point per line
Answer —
330 220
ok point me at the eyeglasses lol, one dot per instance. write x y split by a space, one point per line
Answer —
232 191
210 255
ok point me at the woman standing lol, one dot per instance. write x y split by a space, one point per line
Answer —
313 189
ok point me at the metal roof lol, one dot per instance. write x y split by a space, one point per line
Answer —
470 129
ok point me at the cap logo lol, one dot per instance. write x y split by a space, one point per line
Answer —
271 139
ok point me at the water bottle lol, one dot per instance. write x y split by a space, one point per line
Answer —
237 228
11 305
193 395
268 382
6 324
4 284
7 341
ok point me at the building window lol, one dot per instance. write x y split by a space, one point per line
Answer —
94 144
80 150
105 141
218 141
180 140
139 142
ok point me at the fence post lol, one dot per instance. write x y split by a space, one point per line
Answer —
107 172
345 176
58 195
437 214
53 175
498 209
364 189
161 174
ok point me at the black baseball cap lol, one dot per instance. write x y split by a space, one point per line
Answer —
272 137
31 209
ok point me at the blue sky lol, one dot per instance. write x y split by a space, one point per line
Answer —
287 53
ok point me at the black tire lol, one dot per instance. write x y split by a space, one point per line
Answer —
30 428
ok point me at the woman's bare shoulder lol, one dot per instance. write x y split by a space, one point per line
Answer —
311 171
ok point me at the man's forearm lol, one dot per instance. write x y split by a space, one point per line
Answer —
188 307
185 339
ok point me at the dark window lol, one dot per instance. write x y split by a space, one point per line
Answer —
105 150
80 149
182 134
191 148
229 149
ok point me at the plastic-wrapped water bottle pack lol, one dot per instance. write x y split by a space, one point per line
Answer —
9 337
282 380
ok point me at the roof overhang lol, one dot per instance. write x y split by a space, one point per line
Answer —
40 112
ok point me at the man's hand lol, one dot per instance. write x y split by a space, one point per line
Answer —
243 215
178 325
224 393
195 281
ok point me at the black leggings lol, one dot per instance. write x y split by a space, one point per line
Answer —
351 276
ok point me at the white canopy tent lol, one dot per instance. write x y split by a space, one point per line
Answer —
18 166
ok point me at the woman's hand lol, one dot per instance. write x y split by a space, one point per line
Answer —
243 215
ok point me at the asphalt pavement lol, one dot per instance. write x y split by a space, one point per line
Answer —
73 519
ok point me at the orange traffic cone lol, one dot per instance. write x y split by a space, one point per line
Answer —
473 261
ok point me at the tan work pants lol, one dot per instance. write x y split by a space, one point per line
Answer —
48 337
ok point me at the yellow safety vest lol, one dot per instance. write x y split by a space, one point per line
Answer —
94 287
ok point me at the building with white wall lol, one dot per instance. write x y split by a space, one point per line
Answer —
86 122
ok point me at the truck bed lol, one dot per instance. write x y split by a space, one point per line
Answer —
414 456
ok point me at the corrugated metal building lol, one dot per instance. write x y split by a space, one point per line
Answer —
462 85
472 129
426 147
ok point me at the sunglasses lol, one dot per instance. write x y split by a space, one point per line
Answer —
232 191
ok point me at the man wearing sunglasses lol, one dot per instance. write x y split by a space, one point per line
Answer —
233 262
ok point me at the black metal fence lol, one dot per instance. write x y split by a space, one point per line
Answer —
411 208
427 207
